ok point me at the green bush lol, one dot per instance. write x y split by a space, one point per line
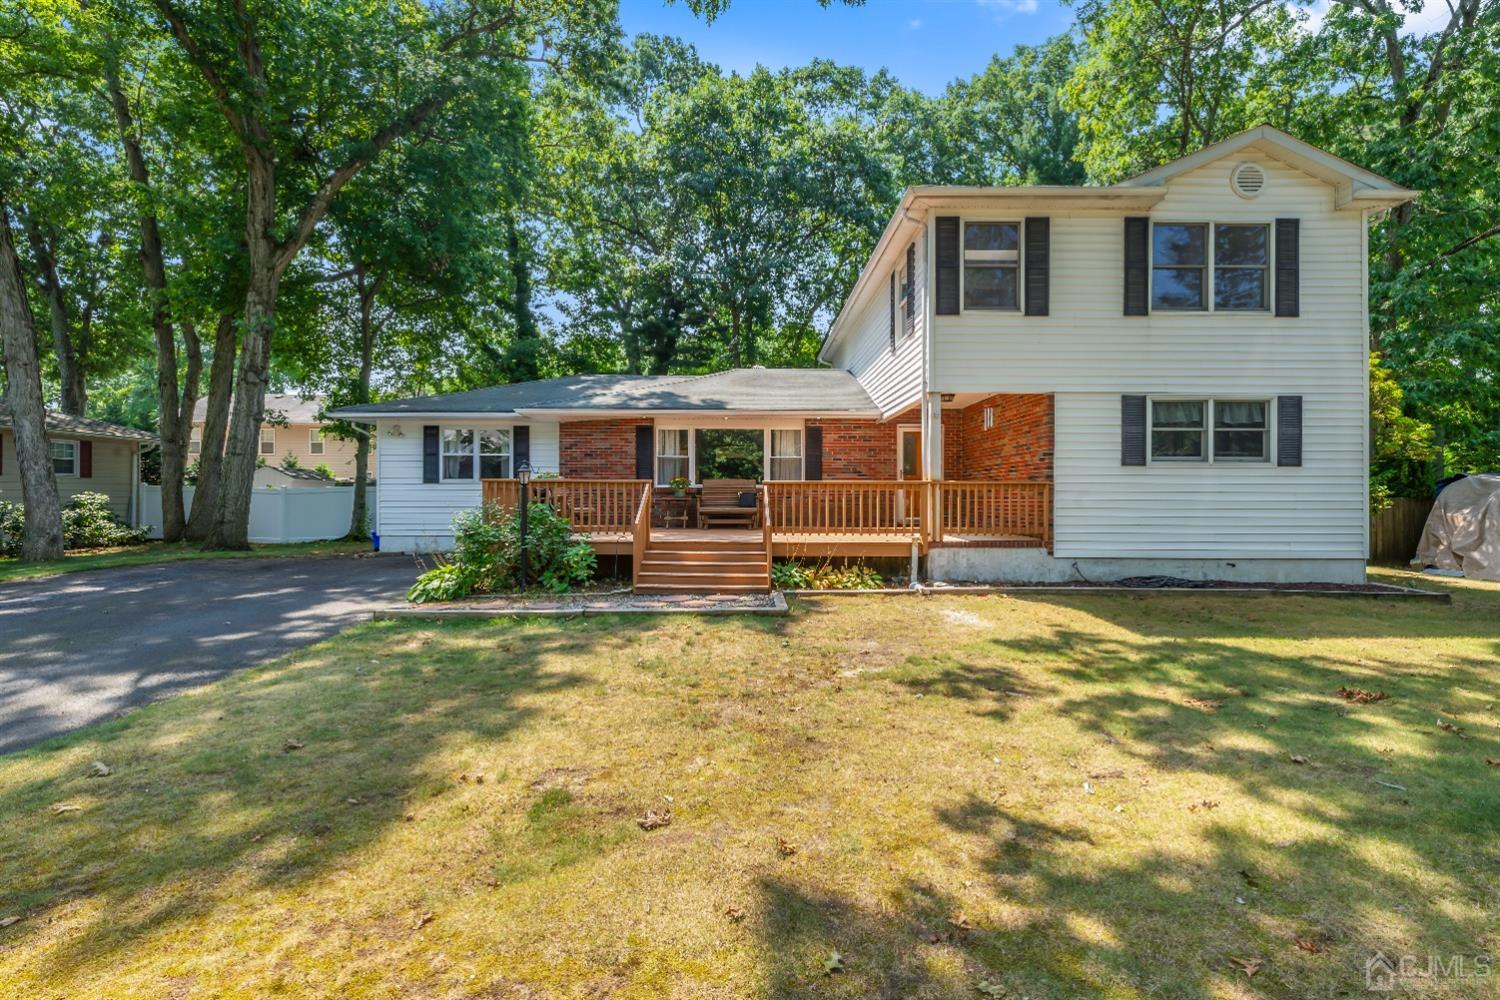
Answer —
88 523
825 576
487 555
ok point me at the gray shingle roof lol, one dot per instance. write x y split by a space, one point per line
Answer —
66 425
288 407
760 390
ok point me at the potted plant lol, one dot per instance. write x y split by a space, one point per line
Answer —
679 486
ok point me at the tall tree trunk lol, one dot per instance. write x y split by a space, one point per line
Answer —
231 527
215 427
359 516
70 371
173 426
43 536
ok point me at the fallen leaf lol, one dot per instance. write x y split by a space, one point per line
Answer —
1249 966
655 819
355 802
1207 704
65 807
7 921
1308 945
1492 762
422 921
1360 696
1101 775
99 769
785 847
1449 727
734 913
1205 804
291 745
833 963
1297 758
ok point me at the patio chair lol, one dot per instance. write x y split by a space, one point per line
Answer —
719 504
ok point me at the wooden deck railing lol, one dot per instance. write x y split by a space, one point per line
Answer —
587 504
994 508
847 507
640 533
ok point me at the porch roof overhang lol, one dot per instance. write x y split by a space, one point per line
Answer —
919 202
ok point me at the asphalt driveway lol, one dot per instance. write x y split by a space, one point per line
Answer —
82 647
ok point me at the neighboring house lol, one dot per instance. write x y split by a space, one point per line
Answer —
88 456
1163 376
292 428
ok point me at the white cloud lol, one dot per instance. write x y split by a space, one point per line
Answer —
914 24
1011 6
1432 17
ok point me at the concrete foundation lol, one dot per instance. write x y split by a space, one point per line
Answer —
976 565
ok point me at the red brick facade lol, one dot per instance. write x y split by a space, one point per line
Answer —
598 449
1018 446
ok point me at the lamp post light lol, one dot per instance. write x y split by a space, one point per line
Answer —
523 476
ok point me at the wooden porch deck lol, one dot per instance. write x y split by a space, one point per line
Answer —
804 545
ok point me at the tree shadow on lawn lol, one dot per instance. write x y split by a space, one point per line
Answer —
207 787
1356 827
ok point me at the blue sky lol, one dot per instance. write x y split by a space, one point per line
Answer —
925 43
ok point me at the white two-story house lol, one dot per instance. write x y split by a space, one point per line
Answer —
1162 376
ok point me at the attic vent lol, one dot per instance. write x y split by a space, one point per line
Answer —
1247 180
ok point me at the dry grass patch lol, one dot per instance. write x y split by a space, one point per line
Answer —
873 797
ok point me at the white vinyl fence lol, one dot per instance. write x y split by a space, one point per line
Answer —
313 514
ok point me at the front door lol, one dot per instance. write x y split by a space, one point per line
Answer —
908 453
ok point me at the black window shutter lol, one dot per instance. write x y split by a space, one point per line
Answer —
1132 430
812 453
893 311
431 453
1289 430
1288 267
1137 266
1038 265
645 451
521 447
85 460
945 275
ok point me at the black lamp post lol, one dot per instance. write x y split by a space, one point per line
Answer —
523 476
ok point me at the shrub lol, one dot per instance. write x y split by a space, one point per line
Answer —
88 523
487 555
825 576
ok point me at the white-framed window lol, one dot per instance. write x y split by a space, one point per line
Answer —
315 441
268 440
992 265
907 290
65 458
1210 430
672 455
1179 265
1242 266
989 418
458 453
494 453
195 441
784 456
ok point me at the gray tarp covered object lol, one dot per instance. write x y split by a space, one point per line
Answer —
1463 530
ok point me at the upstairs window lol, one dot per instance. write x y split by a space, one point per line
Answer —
907 285
195 441
992 264
1241 261
1179 262
268 440
315 441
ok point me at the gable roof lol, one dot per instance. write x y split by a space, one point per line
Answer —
67 425
737 390
290 408
1355 183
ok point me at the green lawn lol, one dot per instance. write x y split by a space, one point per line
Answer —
1059 797
158 552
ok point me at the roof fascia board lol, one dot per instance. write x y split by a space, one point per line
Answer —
574 415
424 415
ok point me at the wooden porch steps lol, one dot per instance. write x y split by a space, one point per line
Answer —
708 566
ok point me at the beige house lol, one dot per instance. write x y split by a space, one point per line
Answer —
291 430
88 456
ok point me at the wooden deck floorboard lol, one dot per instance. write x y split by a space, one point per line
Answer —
804 545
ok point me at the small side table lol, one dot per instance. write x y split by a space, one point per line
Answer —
676 511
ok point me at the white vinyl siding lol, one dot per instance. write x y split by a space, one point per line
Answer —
1088 353
893 379
417 516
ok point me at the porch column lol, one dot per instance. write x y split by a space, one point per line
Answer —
932 436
